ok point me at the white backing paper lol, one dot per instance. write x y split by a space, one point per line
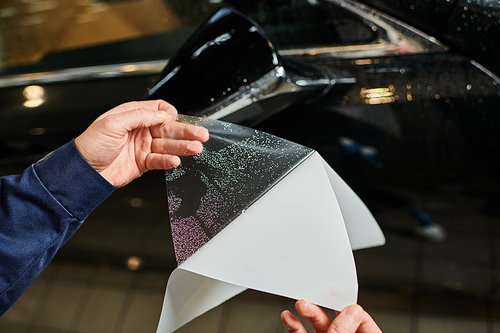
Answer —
295 241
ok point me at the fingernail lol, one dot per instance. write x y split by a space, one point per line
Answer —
306 303
354 312
205 136
195 130
194 146
162 115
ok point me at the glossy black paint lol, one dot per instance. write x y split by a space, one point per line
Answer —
227 52
473 29
428 15
435 137
444 121
468 27
26 134
438 135
442 108
297 24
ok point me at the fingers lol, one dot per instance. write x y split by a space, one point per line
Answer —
162 161
160 105
158 115
368 325
176 147
169 135
313 313
153 128
178 130
354 319
348 320
155 105
124 122
292 323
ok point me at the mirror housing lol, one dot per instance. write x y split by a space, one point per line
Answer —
225 53
229 70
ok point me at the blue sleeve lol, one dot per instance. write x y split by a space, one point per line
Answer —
39 210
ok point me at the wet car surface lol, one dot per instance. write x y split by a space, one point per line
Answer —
414 134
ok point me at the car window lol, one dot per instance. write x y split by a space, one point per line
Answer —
55 34
49 34
306 23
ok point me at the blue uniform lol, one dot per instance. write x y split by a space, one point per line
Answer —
40 210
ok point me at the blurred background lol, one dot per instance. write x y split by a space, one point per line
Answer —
412 128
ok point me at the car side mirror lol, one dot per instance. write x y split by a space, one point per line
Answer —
229 69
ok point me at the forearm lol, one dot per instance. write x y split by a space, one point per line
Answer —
39 210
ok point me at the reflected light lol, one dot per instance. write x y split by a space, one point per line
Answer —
37 131
34 96
133 263
136 202
363 62
378 95
129 68
334 49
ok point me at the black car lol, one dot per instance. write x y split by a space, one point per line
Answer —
400 97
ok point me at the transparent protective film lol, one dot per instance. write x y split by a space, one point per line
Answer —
254 211
208 191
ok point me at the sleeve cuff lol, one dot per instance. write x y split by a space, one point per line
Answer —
72 181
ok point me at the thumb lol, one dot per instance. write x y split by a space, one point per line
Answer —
139 118
348 320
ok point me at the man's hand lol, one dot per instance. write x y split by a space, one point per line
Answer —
135 137
352 319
